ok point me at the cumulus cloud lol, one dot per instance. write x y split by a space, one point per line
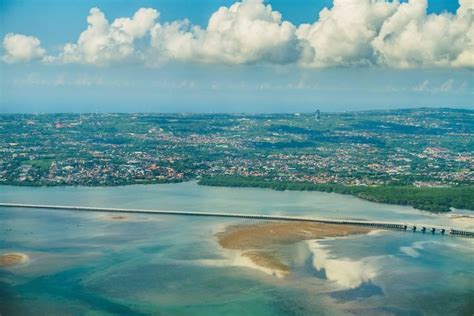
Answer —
103 43
411 38
350 33
246 32
342 36
362 32
21 48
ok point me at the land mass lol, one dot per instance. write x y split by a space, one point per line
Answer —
420 157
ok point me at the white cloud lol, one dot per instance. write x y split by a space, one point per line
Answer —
103 43
21 48
342 36
62 80
361 32
424 86
448 86
411 38
246 32
350 33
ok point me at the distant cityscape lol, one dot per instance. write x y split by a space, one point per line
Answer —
423 147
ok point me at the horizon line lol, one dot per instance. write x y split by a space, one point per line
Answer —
467 108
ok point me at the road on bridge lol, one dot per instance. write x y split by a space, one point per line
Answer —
385 225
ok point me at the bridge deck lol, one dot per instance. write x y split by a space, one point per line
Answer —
379 224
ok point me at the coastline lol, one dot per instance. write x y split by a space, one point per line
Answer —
433 200
92 185
290 186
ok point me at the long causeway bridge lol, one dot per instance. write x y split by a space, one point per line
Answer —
433 229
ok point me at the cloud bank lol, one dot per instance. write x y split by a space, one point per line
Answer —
351 33
21 48
246 32
103 43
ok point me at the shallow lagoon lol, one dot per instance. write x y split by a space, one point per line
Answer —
89 263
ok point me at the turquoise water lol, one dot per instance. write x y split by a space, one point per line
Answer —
87 264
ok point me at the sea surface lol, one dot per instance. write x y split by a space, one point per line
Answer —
92 264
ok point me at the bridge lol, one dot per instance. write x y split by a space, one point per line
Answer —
433 229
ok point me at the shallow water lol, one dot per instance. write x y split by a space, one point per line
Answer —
88 263
189 196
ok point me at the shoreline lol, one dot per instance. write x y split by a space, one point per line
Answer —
268 186
415 197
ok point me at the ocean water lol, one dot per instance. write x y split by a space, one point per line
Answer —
89 264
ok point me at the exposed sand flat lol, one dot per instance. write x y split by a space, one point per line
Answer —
111 217
10 259
118 218
461 216
244 237
267 259
463 219
255 240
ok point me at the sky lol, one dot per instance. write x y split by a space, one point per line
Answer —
230 56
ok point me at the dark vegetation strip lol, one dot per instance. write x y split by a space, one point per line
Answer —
427 199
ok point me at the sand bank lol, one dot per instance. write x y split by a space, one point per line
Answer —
464 221
13 258
462 218
118 218
259 242
114 217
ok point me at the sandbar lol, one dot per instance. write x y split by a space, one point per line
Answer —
258 241
13 258
109 217
118 218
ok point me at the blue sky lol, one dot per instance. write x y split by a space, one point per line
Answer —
283 58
